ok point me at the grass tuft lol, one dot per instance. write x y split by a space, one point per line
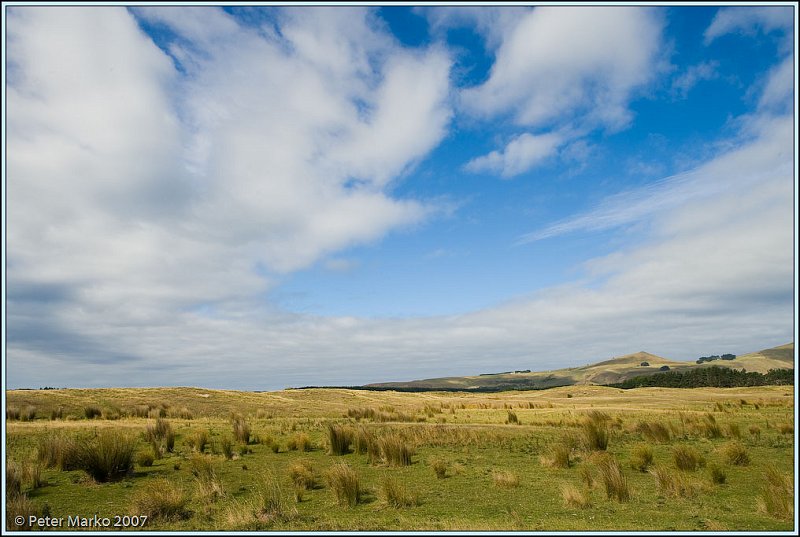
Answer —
641 457
161 499
777 497
107 457
395 494
687 458
344 483
241 429
505 479
58 451
717 475
575 497
302 474
674 484
439 468
558 457
595 431
655 431
91 412
299 442
395 451
735 454
614 481
339 439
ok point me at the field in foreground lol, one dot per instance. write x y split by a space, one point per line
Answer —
572 458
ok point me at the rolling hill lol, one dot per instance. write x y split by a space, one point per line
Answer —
606 372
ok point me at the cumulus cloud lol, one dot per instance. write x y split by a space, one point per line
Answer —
522 153
161 186
748 20
561 69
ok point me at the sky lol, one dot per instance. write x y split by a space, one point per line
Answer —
265 197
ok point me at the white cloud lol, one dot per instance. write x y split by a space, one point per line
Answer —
694 74
520 154
146 197
578 62
564 70
778 92
748 20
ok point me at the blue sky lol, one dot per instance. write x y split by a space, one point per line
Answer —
265 197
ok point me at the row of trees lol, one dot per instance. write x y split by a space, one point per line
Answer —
716 377
715 357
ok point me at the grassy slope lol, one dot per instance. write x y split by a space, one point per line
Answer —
607 372
466 430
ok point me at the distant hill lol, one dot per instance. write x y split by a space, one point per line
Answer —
610 371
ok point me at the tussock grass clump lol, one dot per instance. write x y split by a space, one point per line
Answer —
717 475
140 411
439 468
57 414
185 414
655 431
107 457
29 414
302 474
395 451
202 467
710 427
91 412
226 444
574 497
558 456
777 496
395 494
734 431
735 454
198 441
145 459
614 481
13 413
505 479
786 428
32 473
20 508
595 433
365 442
112 414
161 436
14 478
512 417
755 431
241 429
641 457
674 484
272 504
339 439
161 499
345 484
299 442
58 451
687 458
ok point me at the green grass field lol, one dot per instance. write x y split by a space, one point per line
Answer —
571 458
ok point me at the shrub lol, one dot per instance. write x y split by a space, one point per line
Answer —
641 457
655 431
735 454
161 499
91 412
344 483
58 451
394 494
339 439
687 458
12 413
107 457
394 450
439 468
302 475
505 479
573 497
777 498
615 482
143 458
717 474
241 430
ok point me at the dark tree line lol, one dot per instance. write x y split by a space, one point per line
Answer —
715 357
715 377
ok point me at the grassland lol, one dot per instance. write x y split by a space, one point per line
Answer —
564 459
